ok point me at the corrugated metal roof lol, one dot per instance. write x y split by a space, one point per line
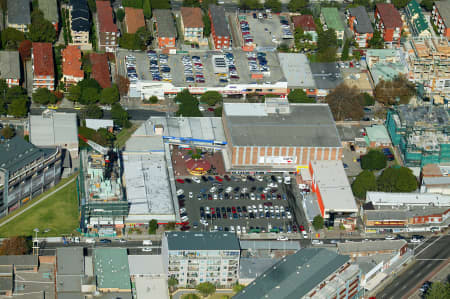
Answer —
364 246
202 241
53 128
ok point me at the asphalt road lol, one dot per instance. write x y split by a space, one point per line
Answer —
429 255
135 114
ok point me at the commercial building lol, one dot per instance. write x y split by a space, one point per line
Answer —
327 76
19 15
134 19
193 258
389 22
100 69
306 22
70 270
108 35
43 66
71 65
165 28
331 19
407 199
219 28
440 17
360 25
435 184
80 25
420 133
417 21
10 67
352 135
251 268
309 273
377 136
149 276
25 172
278 136
192 24
297 70
367 248
50 10
111 270
20 262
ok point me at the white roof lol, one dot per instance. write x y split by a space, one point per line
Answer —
149 287
334 187
413 199
53 128
245 109
96 124
147 265
296 69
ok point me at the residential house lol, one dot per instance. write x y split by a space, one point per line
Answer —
331 19
441 17
79 22
108 35
219 28
43 66
71 65
50 10
389 22
192 23
417 21
360 25
10 67
165 28
134 19
306 22
100 69
19 14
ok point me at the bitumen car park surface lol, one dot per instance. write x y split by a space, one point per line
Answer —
264 31
242 217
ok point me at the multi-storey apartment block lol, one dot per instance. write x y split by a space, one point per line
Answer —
43 66
10 67
389 22
71 65
330 17
107 29
165 28
219 28
360 24
192 23
417 21
79 22
193 258
441 17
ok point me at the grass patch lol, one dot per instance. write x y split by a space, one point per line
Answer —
59 213
124 135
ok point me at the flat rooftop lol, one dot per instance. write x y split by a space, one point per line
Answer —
296 69
53 128
202 241
364 246
146 265
111 268
305 125
413 199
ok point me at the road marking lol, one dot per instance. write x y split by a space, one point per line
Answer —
431 259
431 244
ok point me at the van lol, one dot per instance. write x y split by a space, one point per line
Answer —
146 242
90 241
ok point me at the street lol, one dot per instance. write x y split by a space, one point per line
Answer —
135 114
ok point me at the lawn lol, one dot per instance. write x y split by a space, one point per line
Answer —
59 213
124 135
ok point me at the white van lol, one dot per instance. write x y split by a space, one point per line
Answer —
90 241
147 242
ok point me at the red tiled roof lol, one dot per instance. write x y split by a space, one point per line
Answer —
306 22
134 18
100 69
192 17
389 15
43 59
71 65
105 17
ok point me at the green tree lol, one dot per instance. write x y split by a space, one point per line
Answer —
345 103
345 50
11 38
152 227
74 93
299 96
44 96
85 83
238 287
92 5
94 111
120 14
190 296
365 181
396 91
172 282
397 179
40 29
3 106
89 95
160 4
318 222
206 25
250 4
147 9
18 108
153 99
274 5
218 111
8 132
206 288
327 45
377 41
400 3
15 93
427 4
211 98
188 104
191 3
297 5
367 99
120 116
109 95
439 290
373 160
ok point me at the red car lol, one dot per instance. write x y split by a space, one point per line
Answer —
302 228
227 178
213 211
233 209
212 110
185 227
263 196
180 181
218 178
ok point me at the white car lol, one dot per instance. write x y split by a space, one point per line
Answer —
184 218
279 179
196 179
191 195
238 229
389 237
213 189
215 197
180 192
304 234
415 240
287 180
252 196
146 249
183 210
288 215
317 242
90 241
229 189
282 238
273 185
232 229
260 207
259 178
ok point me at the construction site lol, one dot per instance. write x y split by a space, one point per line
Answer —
421 133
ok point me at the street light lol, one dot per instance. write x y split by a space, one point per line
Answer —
36 230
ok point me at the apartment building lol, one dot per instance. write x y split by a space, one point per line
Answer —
193 257
306 22
219 28
50 11
79 20
331 19
10 67
360 24
108 37
417 21
25 172
440 17
389 22
43 66
165 28
71 65
19 14
192 23
134 19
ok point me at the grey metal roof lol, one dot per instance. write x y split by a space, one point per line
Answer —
254 267
151 265
53 128
19 12
70 260
50 10
363 24
296 69
443 180
444 11
19 260
202 241
165 23
304 125
295 275
6 278
218 20
350 132
386 215
364 246
9 65
327 75
270 245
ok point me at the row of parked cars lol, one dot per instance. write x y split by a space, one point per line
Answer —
246 212
159 67
245 31
193 69
130 62
257 62
285 28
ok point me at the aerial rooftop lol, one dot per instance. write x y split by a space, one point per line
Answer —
111 268
202 241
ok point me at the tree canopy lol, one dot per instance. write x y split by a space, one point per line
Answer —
74 93
123 84
44 96
397 179
318 222
136 41
438 290
400 3
160 4
377 41
297 5
18 108
152 226
40 29
274 5
8 132
147 9
94 111
109 95
327 45
120 116
14 246
89 95
299 96
345 103
120 14
397 91
206 288
25 49
11 38
250 4
211 98
365 181
373 160
188 104
427 4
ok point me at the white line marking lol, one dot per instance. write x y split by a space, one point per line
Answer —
431 244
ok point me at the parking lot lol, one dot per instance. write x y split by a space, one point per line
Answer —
238 204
